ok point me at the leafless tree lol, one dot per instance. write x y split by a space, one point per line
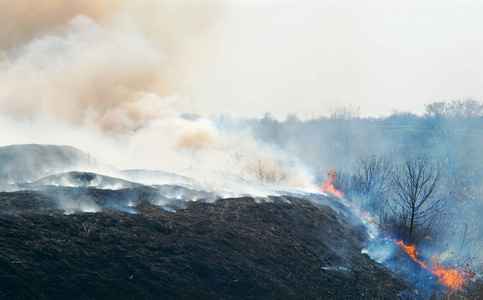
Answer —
267 173
468 108
373 175
416 202
372 181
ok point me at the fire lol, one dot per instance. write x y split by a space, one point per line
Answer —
367 217
452 279
412 252
328 186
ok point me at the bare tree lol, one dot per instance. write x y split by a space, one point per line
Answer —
416 203
373 175
468 108
372 181
266 173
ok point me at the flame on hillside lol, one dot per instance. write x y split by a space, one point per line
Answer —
328 186
452 279
411 251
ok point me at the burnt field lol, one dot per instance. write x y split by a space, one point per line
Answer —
279 248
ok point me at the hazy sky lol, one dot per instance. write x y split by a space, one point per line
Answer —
302 56
242 57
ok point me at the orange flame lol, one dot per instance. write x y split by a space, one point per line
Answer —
452 279
412 252
328 186
367 217
370 219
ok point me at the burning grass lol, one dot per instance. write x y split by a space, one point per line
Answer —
328 186
452 279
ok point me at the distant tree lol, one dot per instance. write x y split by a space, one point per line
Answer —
468 108
268 129
292 118
340 120
401 119
268 117
454 131
344 113
449 127
416 204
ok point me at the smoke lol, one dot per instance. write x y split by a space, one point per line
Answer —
80 77
24 20
98 64
197 135
105 78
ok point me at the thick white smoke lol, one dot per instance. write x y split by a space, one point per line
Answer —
104 78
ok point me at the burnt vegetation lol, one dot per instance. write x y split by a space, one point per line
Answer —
281 248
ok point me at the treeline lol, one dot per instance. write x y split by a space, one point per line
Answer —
420 176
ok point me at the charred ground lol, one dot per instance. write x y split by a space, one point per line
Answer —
235 248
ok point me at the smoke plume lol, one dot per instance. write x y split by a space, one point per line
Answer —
105 77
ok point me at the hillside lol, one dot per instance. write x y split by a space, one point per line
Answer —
20 164
82 179
279 248
147 234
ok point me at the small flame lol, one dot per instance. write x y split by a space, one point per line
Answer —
452 279
367 217
328 186
412 252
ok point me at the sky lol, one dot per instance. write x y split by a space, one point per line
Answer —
246 58
301 57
